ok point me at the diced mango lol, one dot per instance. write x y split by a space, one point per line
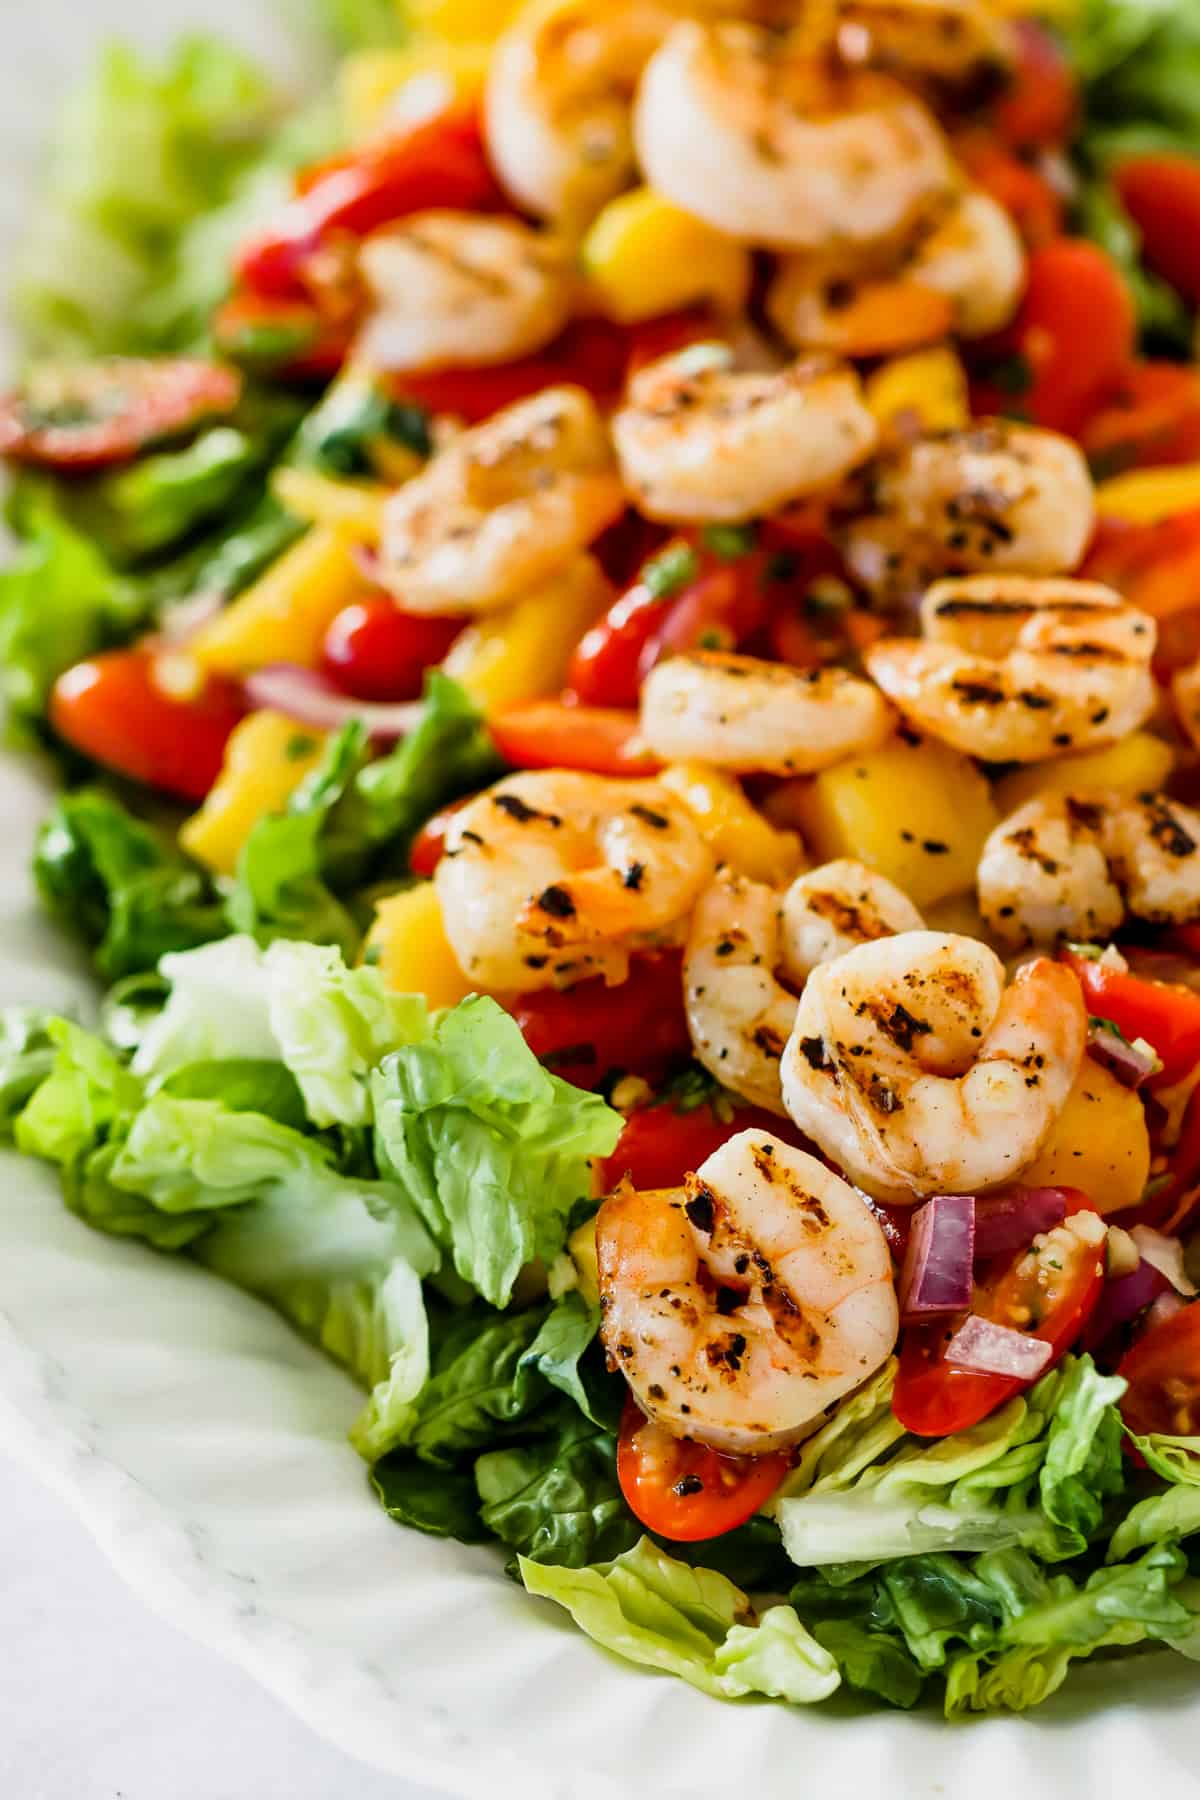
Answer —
926 390
522 652
458 21
1137 765
430 76
1144 496
285 615
319 500
581 1246
919 813
737 833
645 256
407 943
1100 1143
267 757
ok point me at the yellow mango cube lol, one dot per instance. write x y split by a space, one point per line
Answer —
523 651
645 256
458 21
927 389
267 757
919 813
1144 496
374 84
407 943
1139 764
284 616
1100 1142
353 506
737 833
581 1247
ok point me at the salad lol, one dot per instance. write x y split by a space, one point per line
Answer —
617 607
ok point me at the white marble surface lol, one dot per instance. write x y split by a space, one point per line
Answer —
100 1700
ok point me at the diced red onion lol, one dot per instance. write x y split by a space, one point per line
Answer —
940 1258
989 1349
1132 1064
1011 1221
1166 1255
1123 1299
180 622
311 699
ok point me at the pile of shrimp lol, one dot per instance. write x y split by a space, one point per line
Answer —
743 1302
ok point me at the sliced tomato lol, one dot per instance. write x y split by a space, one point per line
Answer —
585 1032
1166 1014
437 163
1022 190
606 667
1039 108
1157 567
112 709
685 1491
430 842
281 337
1162 196
1163 1372
660 1144
81 416
547 734
1049 1296
1151 418
375 651
1070 343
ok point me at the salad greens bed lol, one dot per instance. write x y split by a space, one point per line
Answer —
402 1186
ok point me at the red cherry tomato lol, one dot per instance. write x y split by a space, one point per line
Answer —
375 651
1157 567
1151 418
584 1032
660 1145
439 162
546 734
1039 108
1034 207
1162 195
722 609
430 842
77 417
281 337
685 1491
1163 1372
606 667
1071 341
1050 1298
1166 1014
112 709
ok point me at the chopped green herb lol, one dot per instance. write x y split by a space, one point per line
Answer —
730 541
670 570
300 745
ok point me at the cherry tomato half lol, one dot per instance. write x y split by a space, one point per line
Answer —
606 667
375 651
1151 418
586 1031
1163 1372
1162 196
660 1145
113 710
1022 190
1049 1295
76 417
1039 107
685 1491
546 734
430 842
281 337
1166 1014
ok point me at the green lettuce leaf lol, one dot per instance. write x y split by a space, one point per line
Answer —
481 1387
364 24
660 1613
122 885
558 1349
243 1084
448 754
27 1056
557 1499
439 1502
87 1091
871 1662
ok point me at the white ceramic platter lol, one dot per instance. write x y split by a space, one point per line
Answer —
204 1446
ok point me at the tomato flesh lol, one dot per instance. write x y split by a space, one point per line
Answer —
1039 108
586 1031
1163 1372
111 708
686 1491
547 734
281 337
375 651
429 845
1166 1014
1162 195
660 1145
934 1397
1151 419
605 669
75 418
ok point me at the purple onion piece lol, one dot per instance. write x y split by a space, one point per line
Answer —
1128 1062
1122 1300
1011 1221
939 1261
990 1349
310 699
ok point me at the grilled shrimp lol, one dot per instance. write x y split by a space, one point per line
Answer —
747 129
552 877
1073 865
503 507
740 713
1013 670
917 1071
700 441
750 949
461 288
741 1306
559 99
1185 694
949 43
991 496
968 251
